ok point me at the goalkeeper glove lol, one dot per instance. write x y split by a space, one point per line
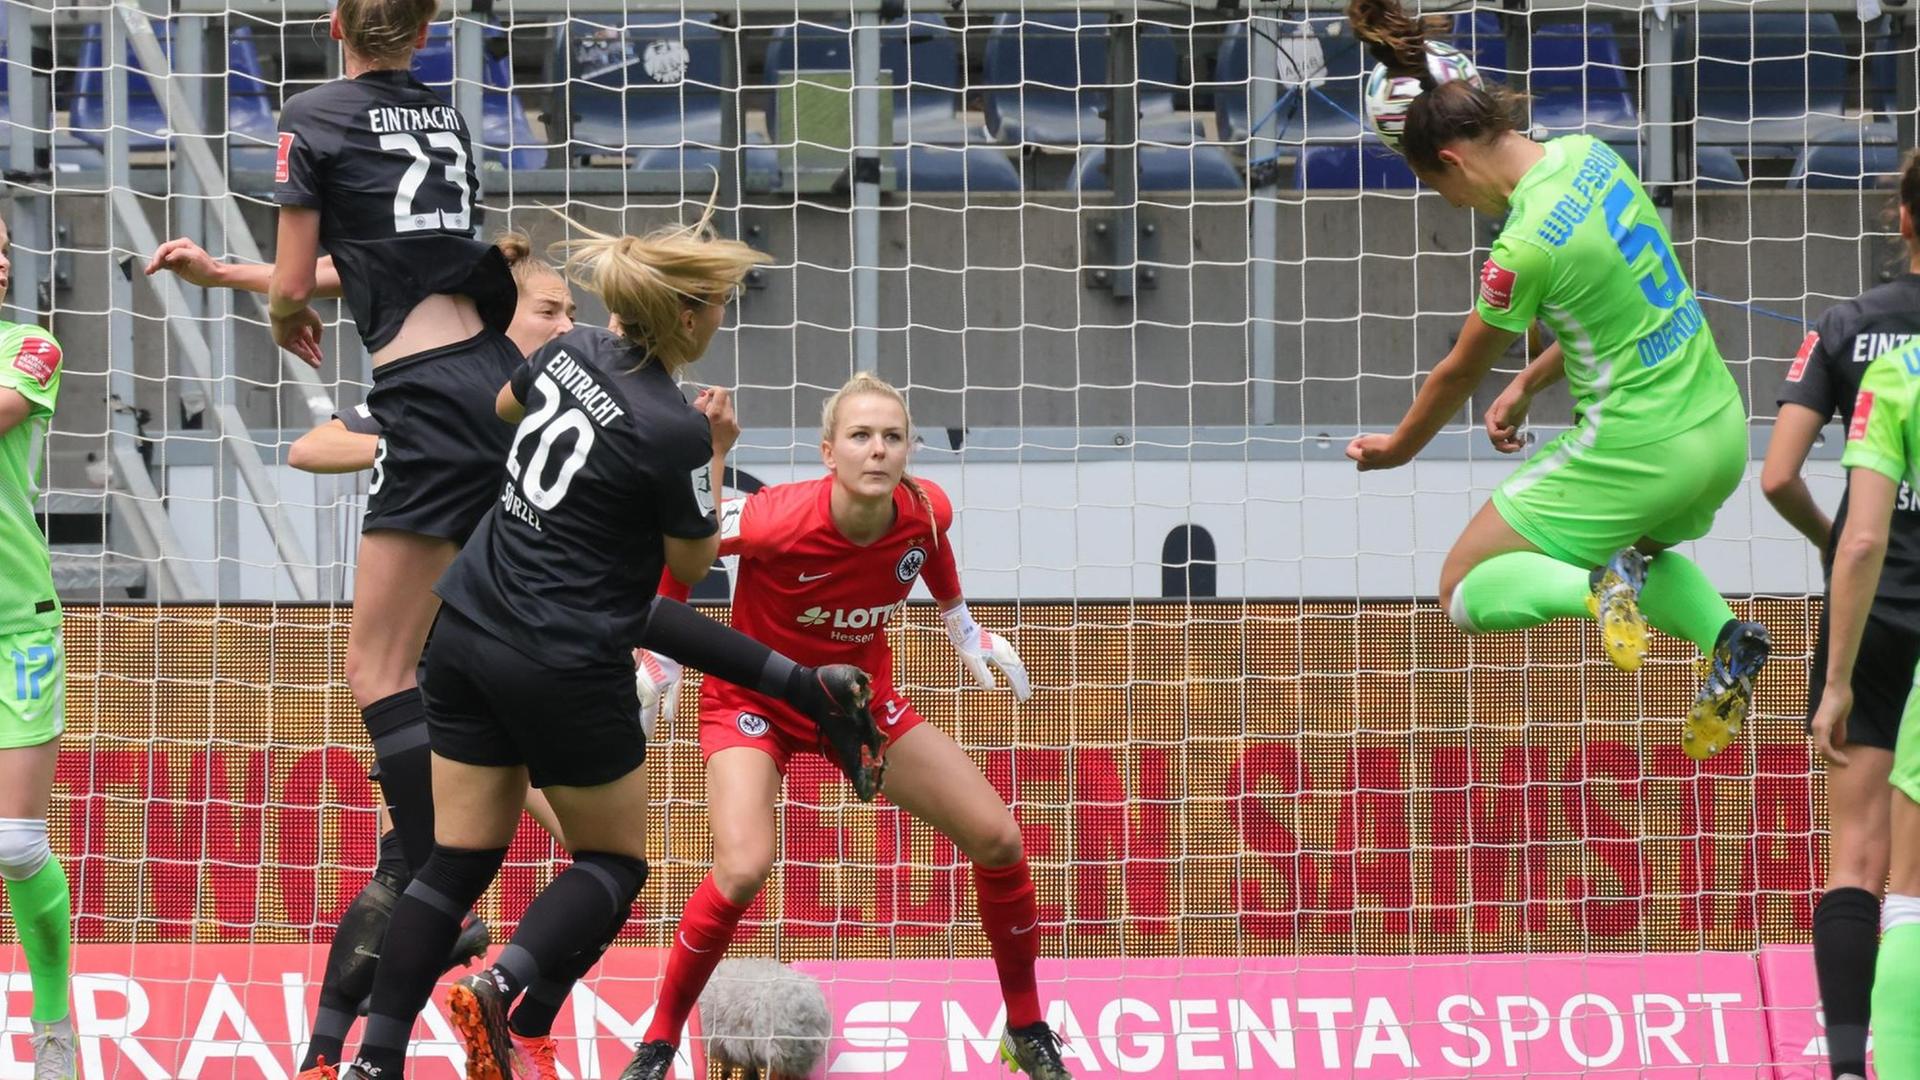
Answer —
978 648
656 679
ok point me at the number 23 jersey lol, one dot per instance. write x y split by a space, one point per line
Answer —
608 459
390 167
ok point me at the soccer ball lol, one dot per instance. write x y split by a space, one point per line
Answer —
1389 95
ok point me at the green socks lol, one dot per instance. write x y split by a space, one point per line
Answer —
1518 590
1680 602
42 910
1896 986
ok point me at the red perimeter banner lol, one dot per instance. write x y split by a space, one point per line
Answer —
1220 778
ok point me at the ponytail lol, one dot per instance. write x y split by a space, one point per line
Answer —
1393 37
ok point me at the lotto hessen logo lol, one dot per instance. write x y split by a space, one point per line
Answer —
1807 344
909 565
38 358
1862 408
752 725
859 618
281 173
1496 285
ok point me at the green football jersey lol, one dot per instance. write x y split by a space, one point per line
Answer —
1584 251
1882 436
30 366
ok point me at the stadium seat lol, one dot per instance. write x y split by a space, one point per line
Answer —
1048 75
923 55
1328 111
1578 80
1774 83
504 129
1368 166
1201 167
931 169
1716 167
1837 166
647 88
251 127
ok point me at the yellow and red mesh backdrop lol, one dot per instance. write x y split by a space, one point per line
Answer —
1216 778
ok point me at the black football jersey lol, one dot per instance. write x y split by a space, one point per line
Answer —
390 167
609 458
1825 377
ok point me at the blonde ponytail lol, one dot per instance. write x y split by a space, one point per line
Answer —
648 281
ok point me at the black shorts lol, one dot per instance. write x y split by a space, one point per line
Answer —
490 704
443 449
1882 677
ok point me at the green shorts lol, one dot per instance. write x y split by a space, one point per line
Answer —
33 688
1580 501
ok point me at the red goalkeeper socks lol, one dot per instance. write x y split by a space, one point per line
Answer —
706 929
1011 919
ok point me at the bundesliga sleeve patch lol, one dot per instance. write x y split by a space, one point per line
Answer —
1862 408
1799 369
1496 285
281 174
38 359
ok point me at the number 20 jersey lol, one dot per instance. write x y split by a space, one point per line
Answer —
608 459
390 167
1584 250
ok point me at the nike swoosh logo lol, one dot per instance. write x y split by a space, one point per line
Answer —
1029 928
815 577
689 945
362 950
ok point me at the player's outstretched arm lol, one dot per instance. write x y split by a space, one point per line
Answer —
1794 432
193 265
331 448
1452 382
1857 560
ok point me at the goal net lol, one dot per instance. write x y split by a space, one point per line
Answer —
1142 276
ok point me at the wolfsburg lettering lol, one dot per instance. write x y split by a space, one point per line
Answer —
1868 346
385 118
597 403
1685 322
1598 168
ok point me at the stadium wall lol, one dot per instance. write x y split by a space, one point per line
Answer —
987 316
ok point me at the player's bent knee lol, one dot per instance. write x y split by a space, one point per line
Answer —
23 848
1002 847
741 879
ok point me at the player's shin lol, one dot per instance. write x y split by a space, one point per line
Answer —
397 724
706 929
36 887
1846 937
1896 986
1011 919
1518 590
1679 601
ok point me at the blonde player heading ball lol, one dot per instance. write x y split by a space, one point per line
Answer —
1584 527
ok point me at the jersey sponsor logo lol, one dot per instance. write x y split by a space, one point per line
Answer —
1866 347
909 565
1577 205
1862 408
1496 285
752 725
1807 344
38 359
854 625
281 172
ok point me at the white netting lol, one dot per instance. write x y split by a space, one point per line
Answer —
1247 745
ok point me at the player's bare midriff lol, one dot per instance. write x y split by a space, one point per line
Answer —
440 320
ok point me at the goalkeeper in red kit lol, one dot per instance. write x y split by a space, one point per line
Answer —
823 565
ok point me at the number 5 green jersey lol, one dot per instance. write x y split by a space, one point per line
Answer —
1584 251
29 366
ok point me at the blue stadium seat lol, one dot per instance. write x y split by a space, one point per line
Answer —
251 127
647 88
1578 80
1201 167
1368 166
1048 75
923 55
1838 166
975 169
1716 167
504 129
1773 82
1329 111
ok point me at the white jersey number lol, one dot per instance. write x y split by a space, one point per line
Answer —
406 218
543 495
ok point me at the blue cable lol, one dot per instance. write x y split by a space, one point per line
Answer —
1754 308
